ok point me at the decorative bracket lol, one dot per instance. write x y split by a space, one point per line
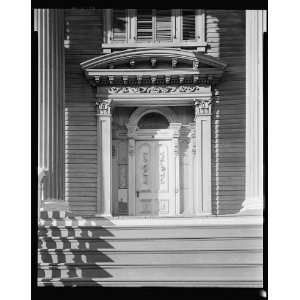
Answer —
131 130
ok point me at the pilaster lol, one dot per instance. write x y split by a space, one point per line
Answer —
104 152
202 204
176 135
131 169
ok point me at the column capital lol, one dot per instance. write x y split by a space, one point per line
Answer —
104 107
202 106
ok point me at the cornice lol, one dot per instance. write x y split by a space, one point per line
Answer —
185 67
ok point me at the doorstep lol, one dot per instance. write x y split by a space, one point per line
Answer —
133 221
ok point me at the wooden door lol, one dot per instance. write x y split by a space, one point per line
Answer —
154 178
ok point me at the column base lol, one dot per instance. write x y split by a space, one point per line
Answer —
103 216
252 206
54 209
55 205
251 211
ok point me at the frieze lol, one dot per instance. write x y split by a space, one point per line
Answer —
154 89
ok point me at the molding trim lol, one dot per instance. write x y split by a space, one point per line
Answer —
167 112
148 53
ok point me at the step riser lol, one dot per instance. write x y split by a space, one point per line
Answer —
152 258
153 245
198 283
148 273
151 232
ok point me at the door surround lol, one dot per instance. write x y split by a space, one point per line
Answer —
136 134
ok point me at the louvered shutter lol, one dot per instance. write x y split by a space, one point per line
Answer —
163 25
188 24
144 24
119 17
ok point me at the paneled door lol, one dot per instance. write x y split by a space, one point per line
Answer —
155 177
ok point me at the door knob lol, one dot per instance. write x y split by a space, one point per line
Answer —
137 194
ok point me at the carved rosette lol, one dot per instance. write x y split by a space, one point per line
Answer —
202 107
104 107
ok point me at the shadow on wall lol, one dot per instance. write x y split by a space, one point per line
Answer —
226 40
72 255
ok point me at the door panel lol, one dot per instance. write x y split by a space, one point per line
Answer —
153 169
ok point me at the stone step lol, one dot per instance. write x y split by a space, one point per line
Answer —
150 257
166 272
190 231
133 222
56 282
151 244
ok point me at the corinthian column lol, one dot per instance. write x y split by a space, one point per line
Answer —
202 187
104 160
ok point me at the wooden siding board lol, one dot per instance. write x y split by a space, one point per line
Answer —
225 32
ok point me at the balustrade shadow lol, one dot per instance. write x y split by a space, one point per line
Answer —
74 255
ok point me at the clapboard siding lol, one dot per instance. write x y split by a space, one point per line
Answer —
84 30
225 32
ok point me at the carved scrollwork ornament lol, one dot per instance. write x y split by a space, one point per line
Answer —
194 148
202 107
131 131
176 146
131 147
104 107
168 89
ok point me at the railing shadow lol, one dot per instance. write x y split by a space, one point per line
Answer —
73 255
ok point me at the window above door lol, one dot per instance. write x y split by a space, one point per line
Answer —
135 28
